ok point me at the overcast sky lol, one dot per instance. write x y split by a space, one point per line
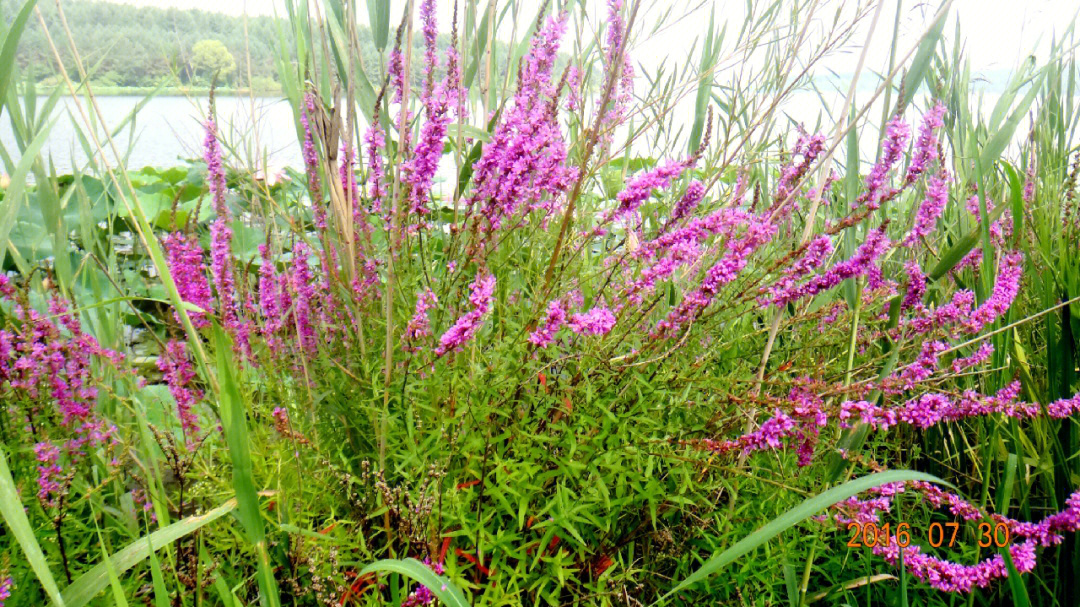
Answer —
997 32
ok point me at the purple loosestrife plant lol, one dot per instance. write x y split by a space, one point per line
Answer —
305 300
419 170
51 368
897 134
937 196
597 321
616 111
523 166
860 264
553 321
465 328
807 149
419 325
311 162
683 275
926 146
757 231
185 259
221 235
662 388
215 170
179 376
694 194
639 188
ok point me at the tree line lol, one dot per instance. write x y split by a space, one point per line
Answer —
128 46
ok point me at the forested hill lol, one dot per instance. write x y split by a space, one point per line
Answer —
143 46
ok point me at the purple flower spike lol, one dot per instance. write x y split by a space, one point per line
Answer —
185 259
179 374
311 162
523 166
926 145
556 318
892 148
937 195
420 325
465 328
597 321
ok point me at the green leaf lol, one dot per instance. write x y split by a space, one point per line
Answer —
9 206
796 515
920 64
234 421
15 517
955 253
477 53
1016 584
1001 138
89 584
438 585
468 130
379 22
114 580
11 45
709 53
161 594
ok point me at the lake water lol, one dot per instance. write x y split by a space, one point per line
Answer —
169 129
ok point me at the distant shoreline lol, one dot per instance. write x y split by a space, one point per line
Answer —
168 91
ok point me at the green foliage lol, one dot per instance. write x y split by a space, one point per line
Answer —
211 59
135 48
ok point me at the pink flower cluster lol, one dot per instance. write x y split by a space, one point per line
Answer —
916 287
807 150
895 142
184 256
294 304
800 428
553 321
757 230
215 170
465 328
954 577
926 146
274 300
861 263
419 325
221 235
615 112
311 162
42 363
639 188
422 595
807 412
683 247
419 170
179 376
523 165
937 196
304 298
597 321
376 144
694 194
